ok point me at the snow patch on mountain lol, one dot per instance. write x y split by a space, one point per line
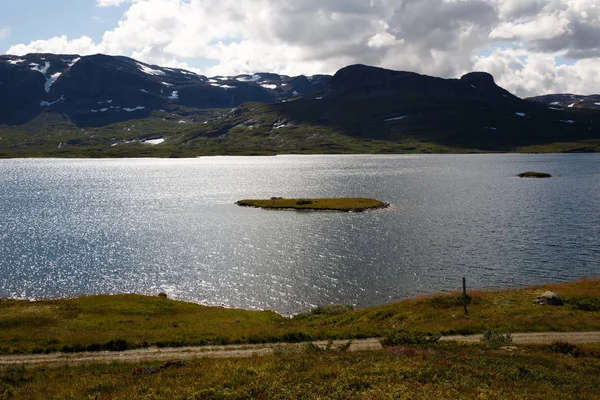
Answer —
48 104
36 67
174 95
252 78
44 71
133 109
154 142
269 86
223 86
50 80
521 114
147 70
396 118
15 62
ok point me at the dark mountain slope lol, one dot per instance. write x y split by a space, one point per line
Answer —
100 90
404 111
568 101
115 106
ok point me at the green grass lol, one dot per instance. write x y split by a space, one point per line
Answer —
442 371
332 204
134 321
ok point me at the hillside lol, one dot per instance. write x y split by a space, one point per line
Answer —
104 106
561 101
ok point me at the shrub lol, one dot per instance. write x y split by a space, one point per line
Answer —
566 348
314 348
407 337
296 337
448 301
331 309
301 202
584 303
496 338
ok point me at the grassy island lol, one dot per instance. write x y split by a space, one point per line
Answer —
532 174
335 204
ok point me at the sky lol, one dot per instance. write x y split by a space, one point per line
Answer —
531 47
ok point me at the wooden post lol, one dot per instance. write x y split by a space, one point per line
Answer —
465 295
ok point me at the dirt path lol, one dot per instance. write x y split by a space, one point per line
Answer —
184 353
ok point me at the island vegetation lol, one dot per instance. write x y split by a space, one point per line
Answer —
413 365
326 204
533 174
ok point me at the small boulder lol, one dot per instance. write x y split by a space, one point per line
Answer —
162 295
549 299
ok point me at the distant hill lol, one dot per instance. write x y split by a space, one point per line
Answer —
104 106
98 90
569 101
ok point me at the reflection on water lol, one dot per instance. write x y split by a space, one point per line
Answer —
73 227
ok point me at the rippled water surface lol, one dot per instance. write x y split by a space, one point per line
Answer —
71 227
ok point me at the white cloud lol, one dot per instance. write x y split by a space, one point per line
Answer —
110 3
61 44
4 33
438 37
536 74
543 27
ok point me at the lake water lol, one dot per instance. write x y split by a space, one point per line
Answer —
72 227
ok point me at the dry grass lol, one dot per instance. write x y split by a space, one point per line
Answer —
406 372
132 321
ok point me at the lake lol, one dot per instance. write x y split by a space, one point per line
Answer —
73 227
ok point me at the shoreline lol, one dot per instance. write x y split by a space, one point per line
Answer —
438 293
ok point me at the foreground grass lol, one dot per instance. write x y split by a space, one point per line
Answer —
334 204
132 321
407 372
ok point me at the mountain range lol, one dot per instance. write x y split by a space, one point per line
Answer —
103 106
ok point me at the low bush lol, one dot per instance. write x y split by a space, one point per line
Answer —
583 303
407 337
302 202
112 345
496 338
448 301
331 309
566 348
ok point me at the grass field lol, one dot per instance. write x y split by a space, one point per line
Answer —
132 321
428 370
442 371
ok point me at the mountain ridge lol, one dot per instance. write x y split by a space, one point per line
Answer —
104 106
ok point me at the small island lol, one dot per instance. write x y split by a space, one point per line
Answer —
334 204
532 174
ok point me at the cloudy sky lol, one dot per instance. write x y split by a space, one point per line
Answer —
530 46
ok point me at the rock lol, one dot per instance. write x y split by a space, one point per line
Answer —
533 174
162 295
550 299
